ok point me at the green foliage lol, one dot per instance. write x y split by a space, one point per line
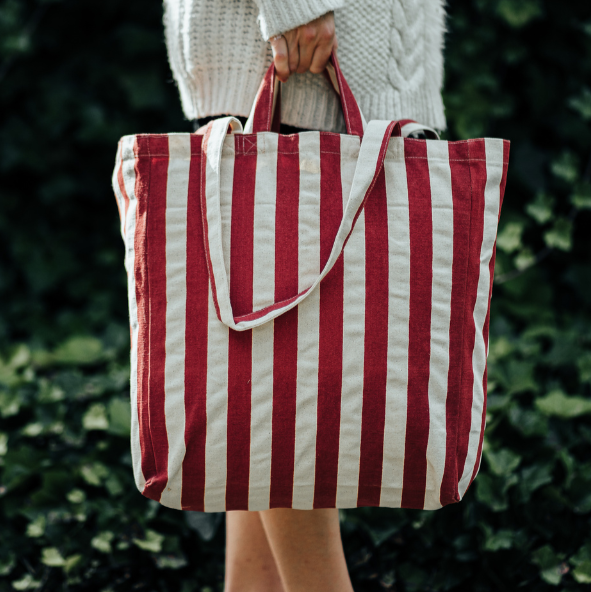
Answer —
74 77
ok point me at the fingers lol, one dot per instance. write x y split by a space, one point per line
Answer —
307 40
321 56
305 48
293 50
280 57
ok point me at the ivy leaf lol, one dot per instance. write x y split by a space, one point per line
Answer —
79 350
524 259
492 491
3 443
95 418
102 541
509 238
581 198
76 496
73 562
541 208
94 473
582 103
560 235
27 582
152 541
7 564
534 477
119 416
502 462
52 557
36 528
582 562
561 405
549 562
170 561
566 167
519 12
584 365
495 541
205 524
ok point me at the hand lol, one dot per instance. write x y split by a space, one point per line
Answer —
304 48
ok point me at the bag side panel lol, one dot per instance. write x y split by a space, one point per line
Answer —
487 171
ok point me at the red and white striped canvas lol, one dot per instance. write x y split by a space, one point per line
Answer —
256 380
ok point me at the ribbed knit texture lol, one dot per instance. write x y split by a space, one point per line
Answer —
390 52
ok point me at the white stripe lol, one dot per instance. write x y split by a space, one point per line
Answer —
177 189
262 337
217 359
353 341
218 145
265 195
217 413
492 195
226 187
117 189
398 316
128 158
443 227
308 321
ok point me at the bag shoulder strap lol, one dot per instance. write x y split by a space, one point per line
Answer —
372 153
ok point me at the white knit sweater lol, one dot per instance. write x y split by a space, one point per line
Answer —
390 52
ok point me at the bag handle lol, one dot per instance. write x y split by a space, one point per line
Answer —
372 153
265 107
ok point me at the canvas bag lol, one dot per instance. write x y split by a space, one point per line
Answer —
309 313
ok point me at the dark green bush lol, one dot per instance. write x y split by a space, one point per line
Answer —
74 77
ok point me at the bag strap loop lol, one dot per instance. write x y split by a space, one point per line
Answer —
372 153
266 107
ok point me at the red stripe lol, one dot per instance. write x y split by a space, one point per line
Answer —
240 342
351 112
491 270
376 345
264 103
156 246
477 155
196 332
285 340
419 326
142 295
462 203
330 347
214 294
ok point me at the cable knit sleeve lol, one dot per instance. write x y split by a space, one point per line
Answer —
278 16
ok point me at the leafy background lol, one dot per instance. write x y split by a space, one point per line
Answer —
74 77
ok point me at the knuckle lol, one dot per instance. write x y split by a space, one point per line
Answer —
308 34
327 33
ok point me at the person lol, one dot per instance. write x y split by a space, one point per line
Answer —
391 53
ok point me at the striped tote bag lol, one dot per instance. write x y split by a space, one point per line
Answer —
309 312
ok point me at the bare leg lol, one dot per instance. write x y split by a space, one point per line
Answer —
308 549
250 566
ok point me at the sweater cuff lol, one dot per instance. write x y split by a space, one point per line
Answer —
278 16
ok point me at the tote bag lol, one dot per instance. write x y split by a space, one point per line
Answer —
309 312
